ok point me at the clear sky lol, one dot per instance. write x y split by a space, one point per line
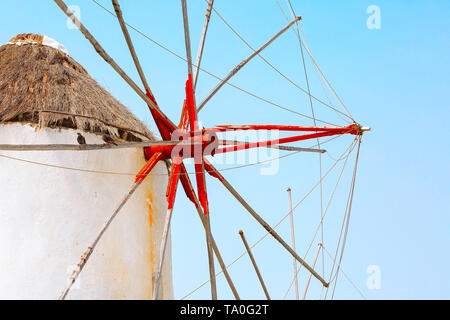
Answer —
394 79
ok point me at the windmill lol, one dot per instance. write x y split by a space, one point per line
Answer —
49 98
189 116
188 140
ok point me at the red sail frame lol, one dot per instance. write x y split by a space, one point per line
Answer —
189 118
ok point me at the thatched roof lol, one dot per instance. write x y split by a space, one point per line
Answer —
42 85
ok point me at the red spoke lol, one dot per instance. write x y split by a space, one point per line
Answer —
251 145
201 186
187 185
173 181
190 104
148 167
351 128
184 117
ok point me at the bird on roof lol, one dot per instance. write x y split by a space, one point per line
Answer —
108 139
81 139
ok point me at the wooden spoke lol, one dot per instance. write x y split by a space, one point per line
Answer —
99 49
250 254
91 248
212 272
87 147
199 167
162 253
174 177
309 277
202 41
291 218
215 173
243 63
284 148
126 34
193 197
187 38
139 179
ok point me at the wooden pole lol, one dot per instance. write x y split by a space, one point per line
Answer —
241 233
99 49
212 272
162 253
202 42
291 216
261 221
309 277
91 248
284 148
127 145
214 245
155 159
243 63
217 252
126 34
187 38
87 147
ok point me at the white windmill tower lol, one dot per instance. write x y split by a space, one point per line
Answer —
54 202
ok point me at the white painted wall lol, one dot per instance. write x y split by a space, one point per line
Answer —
48 217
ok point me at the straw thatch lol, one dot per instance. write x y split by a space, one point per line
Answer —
46 87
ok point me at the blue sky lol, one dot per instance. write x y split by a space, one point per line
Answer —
394 79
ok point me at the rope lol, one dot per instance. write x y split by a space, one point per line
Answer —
298 34
319 72
134 174
274 68
326 80
337 97
347 277
352 192
318 141
323 217
344 227
66 168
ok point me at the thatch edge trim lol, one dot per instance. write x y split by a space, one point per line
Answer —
97 119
